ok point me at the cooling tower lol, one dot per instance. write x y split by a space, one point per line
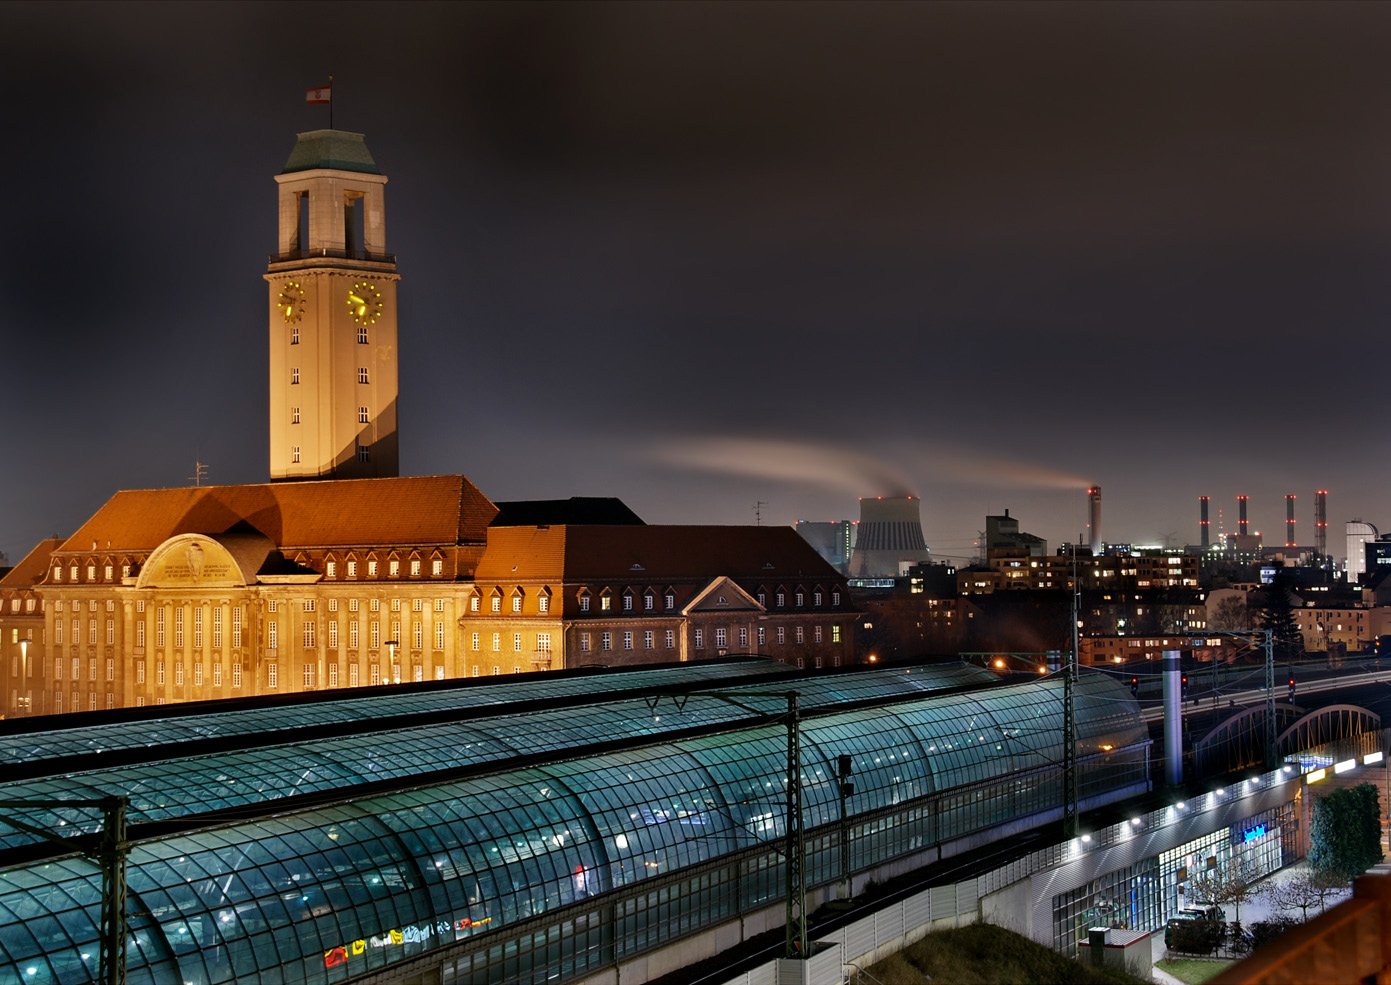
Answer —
889 538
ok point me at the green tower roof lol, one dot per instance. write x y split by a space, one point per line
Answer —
336 149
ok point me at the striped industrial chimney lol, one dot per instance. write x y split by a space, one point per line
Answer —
890 537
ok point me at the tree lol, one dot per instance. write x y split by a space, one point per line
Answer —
1278 617
1231 614
1220 887
1303 891
1345 836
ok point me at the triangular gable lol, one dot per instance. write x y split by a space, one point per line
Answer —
735 598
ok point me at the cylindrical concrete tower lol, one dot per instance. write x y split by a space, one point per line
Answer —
1321 523
1241 527
1094 519
890 537
1289 520
1202 522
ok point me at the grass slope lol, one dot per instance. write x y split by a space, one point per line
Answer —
984 955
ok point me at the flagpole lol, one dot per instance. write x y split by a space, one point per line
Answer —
330 102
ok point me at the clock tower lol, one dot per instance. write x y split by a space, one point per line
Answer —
332 310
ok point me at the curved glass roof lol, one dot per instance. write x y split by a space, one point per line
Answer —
182 786
336 891
363 706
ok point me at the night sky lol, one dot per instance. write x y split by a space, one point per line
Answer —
702 255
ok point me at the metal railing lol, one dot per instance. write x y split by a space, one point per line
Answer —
327 253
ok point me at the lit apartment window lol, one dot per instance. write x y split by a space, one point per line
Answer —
294 375
516 603
436 567
331 569
605 603
272 675
352 635
236 675
272 635
362 374
670 639
415 569
439 636
294 415
394 568
516 642
362 335
835 634
217 627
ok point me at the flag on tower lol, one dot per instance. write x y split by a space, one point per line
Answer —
323 94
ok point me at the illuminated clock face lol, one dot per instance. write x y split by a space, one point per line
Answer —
291 301
365 303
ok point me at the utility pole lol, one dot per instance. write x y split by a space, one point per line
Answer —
1270 750
110 855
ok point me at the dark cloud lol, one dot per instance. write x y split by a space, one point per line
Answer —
1137 243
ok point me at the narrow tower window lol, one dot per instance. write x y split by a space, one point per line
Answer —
294 415
362 335
294 374
362 417
361 374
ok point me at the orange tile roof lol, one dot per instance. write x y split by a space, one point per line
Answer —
34 568
436 509
651 553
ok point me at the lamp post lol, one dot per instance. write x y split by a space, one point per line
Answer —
395 674
23 699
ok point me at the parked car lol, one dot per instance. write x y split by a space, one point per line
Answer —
1212 914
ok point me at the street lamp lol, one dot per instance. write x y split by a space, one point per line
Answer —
23 700
391 646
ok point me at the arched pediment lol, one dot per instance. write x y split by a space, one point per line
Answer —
193 560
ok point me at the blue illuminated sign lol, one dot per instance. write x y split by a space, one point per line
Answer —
1252 834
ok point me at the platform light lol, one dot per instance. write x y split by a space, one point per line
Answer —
1344 766
1180 805
1086 838
1372 757
1315 776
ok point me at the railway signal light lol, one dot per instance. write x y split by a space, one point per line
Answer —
1135 686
